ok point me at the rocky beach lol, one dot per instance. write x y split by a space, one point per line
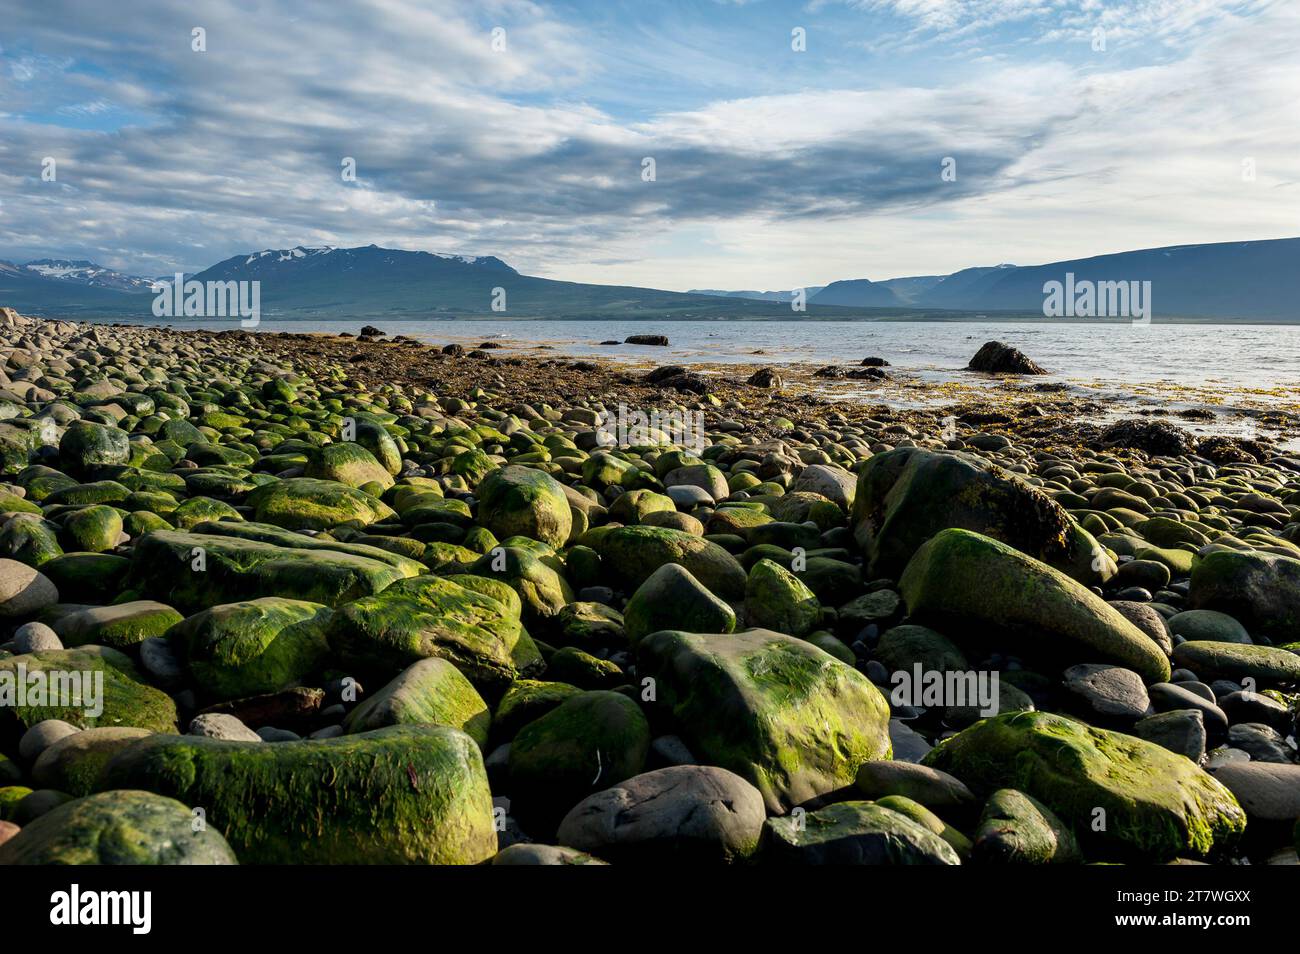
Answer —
333 599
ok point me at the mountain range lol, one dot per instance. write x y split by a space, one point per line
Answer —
1245 281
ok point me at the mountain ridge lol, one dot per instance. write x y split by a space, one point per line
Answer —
1250 280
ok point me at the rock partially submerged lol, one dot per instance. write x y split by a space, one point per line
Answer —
994 357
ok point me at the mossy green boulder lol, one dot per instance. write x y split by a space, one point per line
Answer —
1259 590
93 529
1266 665
86 445
120 625
526 700
542 589
776 710
907 495
73 764
346 463
430 617
1016 828
777 599
1125 798
30 539
117 828
251 648
963 582
193 571
853 833
91 686
588 742
429 692
633 553
304 503
671 598
400 795
521 501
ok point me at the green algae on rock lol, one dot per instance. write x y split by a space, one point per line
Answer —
588 742
399 795
126 700
671 598
429 692
907 495
253 647
779 712
430 616
521 501
193 571
1154 805
854 833
633 553
963 581
117 828
305 503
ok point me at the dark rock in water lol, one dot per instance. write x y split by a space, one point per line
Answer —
870 374
1154 437
661 340
611 342
372 331
489 345
998 358
454 350
874 363
765 378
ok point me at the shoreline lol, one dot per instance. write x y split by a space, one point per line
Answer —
436 577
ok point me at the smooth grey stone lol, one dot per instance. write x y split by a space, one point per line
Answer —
219 725
42 735
1109 692
35 637
1180 730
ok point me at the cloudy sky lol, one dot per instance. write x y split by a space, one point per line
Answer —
521 129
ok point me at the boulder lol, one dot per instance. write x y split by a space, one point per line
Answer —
400 795
254 647
428 617
789 718
692 814
853 833
960 581
117 828
521 501
1154 805
907 495
429 692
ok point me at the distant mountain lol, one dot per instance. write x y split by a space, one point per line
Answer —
1257 281
1250 281
374 282
32 293
756 295
1226 280
858 293
87 273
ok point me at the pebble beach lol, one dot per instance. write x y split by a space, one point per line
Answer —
368 599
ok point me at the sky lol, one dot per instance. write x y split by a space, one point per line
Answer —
791 143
